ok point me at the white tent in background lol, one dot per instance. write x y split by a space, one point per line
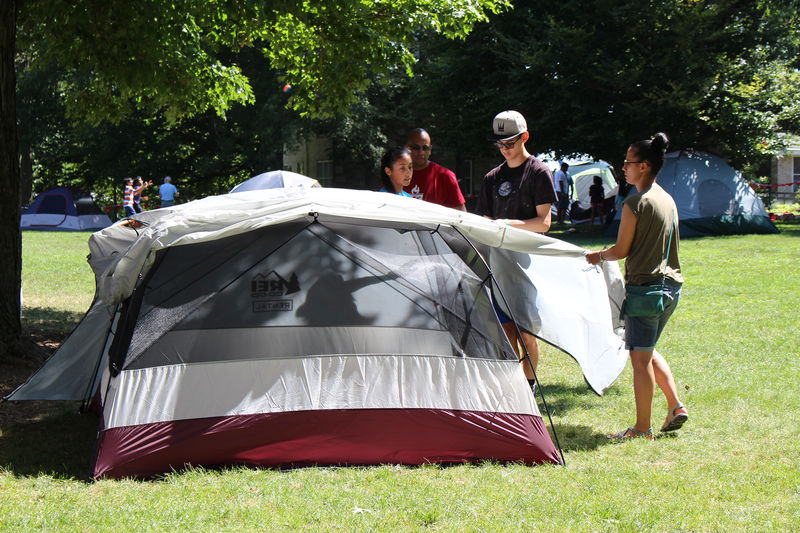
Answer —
582 169
583 173
276 179
290 327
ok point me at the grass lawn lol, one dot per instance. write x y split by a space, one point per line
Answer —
734 347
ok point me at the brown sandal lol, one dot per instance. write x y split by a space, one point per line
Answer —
632 433
676 421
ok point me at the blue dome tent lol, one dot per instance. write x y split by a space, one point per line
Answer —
64 209
712 198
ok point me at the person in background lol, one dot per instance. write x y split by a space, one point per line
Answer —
520 192
127 198
168 192
138 187
396 170
648 240
431 182
596 196
564 187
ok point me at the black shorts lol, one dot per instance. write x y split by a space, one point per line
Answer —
563 200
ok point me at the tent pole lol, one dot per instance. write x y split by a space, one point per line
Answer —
87 396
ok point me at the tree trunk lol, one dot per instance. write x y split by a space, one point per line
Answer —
10 238
25 176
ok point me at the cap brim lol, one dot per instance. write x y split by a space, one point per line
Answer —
495 137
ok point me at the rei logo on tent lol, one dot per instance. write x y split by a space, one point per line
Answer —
272 285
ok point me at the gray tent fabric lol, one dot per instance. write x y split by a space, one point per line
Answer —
193 298
72 373
712 198
542 308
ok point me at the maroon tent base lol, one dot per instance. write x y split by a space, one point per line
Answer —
328 437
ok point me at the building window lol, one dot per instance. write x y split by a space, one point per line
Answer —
796 173
325 173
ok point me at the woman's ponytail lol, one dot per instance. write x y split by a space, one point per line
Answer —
653 150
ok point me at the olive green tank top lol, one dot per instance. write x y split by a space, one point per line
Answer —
655 214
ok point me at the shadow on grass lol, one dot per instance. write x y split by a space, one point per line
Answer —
47 324
562 399
582 235
575 438
584 438
60 445
789 229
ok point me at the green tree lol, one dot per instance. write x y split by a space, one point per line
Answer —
204 154
164 56
593 76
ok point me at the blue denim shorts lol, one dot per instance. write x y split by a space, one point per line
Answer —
501 316
642 332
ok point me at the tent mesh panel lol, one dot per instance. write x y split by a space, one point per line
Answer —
349 288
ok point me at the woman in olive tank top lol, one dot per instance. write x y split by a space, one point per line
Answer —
648 241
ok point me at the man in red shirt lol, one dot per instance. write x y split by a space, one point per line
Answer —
430 181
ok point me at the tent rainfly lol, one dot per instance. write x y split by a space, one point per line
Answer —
291 327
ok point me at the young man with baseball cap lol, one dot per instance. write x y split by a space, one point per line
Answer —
430 181
520 192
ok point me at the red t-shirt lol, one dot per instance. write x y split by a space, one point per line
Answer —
437 185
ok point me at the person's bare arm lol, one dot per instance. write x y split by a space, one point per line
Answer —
539 224
627 227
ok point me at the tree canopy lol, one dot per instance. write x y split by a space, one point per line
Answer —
163 56
591 77
206 153
167 57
